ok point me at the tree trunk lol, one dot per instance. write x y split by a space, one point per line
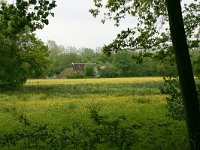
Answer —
186 78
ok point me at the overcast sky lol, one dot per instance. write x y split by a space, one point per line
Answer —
73 25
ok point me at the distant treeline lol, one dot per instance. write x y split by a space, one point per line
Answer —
121 64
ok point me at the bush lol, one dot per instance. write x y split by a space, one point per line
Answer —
89 70
106 133
174 102
108 72
76 75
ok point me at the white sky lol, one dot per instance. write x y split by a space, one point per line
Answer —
73 25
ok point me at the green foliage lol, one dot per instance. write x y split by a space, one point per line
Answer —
89 70
22 55
88 54
174 102
36 136
8 74
24 14
111 132
35 56
61 58
196 62
108 71
124 63
151 31
76 75
19 61
55 51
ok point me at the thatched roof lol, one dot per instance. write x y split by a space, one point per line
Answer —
75 67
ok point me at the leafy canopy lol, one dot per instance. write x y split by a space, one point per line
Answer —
21 54
152 29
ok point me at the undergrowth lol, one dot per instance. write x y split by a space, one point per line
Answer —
105 134
174 102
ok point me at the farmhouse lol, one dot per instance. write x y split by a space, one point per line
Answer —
75 67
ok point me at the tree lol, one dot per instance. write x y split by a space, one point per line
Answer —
108 71
186 77
22 55
61 57
35 56
54 56
89 70
153 33
88 54
124 63
54 49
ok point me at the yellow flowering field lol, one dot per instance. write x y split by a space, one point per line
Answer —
93 80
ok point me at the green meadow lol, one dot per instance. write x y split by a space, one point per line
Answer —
122 108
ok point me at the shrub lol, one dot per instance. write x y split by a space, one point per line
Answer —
109 72
174 102
89 70
76 75
106 133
